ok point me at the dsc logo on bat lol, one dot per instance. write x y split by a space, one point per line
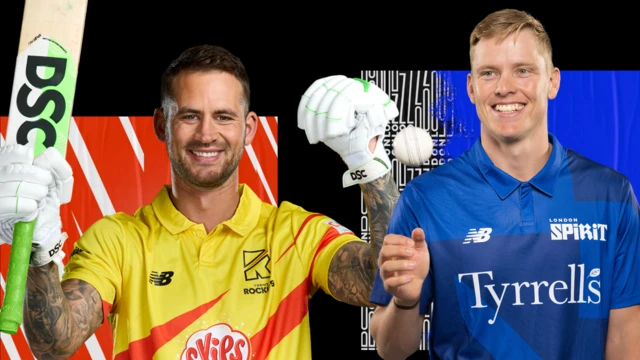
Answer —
43 94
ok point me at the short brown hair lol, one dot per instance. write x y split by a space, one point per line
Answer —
505 22
204 58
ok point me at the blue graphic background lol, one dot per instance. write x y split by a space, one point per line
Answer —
596 113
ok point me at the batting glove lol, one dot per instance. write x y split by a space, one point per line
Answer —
34 189
345 114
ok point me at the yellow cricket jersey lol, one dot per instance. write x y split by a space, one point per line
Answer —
172 291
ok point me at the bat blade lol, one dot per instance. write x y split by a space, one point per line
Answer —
45 73
42 99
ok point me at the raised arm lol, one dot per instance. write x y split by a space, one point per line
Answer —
353 268
57 318
350 116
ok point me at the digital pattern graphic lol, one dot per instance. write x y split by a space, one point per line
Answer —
424 99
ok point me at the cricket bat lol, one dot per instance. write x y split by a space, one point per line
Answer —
40 112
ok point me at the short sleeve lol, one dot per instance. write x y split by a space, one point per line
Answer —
626 282
97 259
317 238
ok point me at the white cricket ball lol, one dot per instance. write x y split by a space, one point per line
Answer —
412 146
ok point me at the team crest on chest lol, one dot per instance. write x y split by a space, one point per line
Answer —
257 270
570 228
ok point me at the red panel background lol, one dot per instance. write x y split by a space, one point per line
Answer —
110 176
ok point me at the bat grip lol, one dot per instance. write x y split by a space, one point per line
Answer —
11 312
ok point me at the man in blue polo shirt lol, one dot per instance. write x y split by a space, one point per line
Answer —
532 250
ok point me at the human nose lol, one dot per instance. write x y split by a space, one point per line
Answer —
207 131
504 86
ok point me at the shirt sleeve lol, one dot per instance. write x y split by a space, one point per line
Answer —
626 282
317 238
403 221
97 259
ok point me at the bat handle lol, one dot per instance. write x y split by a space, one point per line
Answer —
11 311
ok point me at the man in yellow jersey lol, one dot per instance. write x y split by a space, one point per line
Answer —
206 270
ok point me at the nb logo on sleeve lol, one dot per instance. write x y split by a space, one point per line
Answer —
478 236
160 278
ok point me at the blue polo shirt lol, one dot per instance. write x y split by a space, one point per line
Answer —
522 270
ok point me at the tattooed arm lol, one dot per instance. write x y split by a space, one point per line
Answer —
59 318
353 268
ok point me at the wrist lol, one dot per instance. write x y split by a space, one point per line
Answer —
405 307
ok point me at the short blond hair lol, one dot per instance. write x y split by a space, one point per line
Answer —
505 22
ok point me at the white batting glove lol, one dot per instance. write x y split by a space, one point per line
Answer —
34 189
345 114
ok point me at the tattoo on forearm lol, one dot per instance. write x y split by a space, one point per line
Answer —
58 319
350 274
380 197
353 269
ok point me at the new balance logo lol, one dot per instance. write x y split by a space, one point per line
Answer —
478 236
160 279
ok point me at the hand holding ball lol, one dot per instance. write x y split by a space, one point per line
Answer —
413 146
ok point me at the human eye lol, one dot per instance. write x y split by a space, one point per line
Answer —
189 117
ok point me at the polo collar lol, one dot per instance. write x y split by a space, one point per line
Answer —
243 220
504 184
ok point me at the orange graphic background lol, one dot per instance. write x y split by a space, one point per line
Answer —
120 165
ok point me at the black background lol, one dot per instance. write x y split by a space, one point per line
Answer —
128 44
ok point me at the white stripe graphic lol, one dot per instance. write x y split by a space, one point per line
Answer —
133 139
267 129
77 225
6 339
93 346
89 169
256 165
